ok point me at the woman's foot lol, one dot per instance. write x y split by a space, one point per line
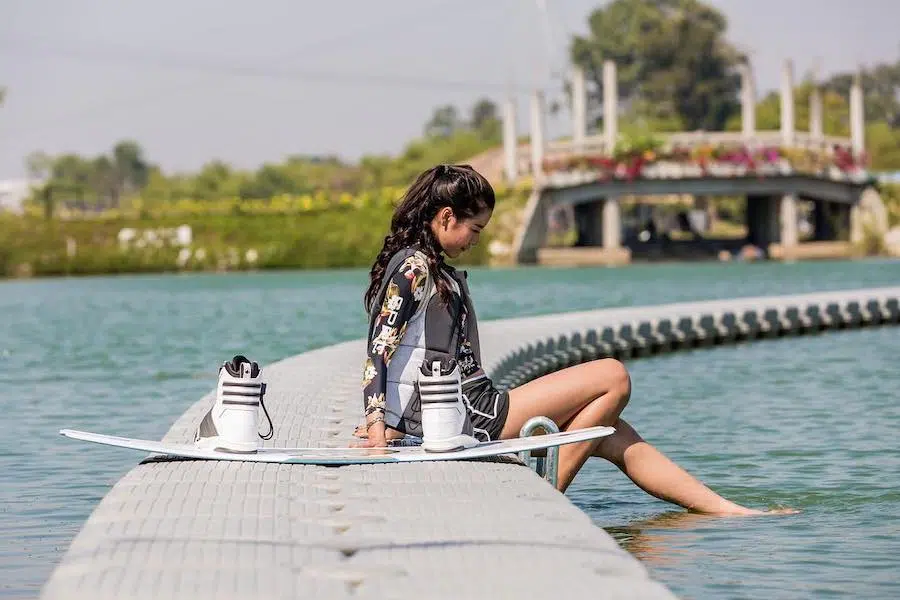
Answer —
730 509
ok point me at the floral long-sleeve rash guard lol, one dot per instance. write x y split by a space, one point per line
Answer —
401 301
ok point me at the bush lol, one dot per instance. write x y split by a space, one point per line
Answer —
890 195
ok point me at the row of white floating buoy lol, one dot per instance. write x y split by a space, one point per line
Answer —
659 335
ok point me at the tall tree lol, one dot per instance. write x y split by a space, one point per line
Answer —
131 168
674 63
485 119
881 91
444 122
483 112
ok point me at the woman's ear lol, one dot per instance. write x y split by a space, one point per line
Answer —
444 216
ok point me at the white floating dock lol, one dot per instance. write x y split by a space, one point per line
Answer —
472 529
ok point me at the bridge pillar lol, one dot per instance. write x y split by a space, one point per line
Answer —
589 223
510 143
789 236
842 219
537 133
612 224
762 221
823 229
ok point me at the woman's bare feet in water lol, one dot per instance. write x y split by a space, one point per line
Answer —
782 511
730 509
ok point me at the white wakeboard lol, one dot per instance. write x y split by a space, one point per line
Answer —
346 456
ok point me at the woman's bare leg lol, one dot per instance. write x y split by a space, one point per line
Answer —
582 396
595 393
656 474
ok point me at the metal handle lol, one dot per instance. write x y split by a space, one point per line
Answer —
546 463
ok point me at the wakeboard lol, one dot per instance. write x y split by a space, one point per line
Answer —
346 455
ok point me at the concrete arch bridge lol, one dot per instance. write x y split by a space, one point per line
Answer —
800 194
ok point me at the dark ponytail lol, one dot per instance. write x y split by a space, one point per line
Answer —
461 188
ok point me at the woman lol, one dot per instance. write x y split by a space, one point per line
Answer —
420 309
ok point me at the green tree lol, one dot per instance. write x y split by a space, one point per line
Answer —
38 166
883 146
485 119
835 112
86 183
881 91
444 122
215 180
882 139
674 64
129 169
103 182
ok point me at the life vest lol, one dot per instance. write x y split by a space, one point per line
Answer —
435 330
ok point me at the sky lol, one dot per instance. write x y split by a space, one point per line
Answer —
252 82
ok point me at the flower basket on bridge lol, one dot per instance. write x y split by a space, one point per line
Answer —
635 161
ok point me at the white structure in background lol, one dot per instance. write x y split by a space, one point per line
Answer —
13 193
182 236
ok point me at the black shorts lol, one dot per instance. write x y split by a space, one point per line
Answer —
488 409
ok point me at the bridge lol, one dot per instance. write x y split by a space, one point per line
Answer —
805 194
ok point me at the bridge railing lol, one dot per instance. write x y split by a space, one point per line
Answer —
729 154
745 152
596 145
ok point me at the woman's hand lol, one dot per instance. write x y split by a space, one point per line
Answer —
390 434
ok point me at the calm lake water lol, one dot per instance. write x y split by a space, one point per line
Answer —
810 423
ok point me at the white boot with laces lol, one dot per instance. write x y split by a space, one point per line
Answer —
445 422
231 423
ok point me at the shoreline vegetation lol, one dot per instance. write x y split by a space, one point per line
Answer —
303 232
287 232
119 212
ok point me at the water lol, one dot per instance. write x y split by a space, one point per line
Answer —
804 422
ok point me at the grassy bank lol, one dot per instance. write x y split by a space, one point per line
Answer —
275 235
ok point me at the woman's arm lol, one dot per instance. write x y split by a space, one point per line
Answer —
403 296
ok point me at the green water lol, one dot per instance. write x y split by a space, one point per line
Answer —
810 423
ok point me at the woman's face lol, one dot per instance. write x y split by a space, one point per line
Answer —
458 235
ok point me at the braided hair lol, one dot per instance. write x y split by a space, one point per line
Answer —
461 188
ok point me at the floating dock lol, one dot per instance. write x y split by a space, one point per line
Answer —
468 529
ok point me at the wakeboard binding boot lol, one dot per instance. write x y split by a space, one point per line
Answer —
446 425
231 423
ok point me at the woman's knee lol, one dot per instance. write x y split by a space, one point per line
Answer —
613 447
615 379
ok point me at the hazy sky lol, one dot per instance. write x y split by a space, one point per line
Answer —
251 81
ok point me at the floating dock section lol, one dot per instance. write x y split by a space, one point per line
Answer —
462 529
